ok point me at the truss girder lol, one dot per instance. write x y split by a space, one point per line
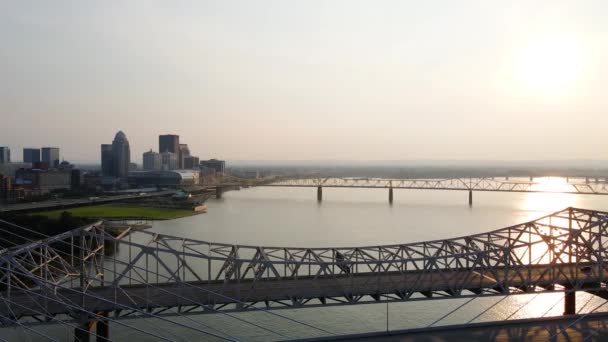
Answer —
578 186
165 273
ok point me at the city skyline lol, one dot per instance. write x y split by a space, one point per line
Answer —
310 81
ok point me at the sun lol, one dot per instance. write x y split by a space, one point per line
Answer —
550 66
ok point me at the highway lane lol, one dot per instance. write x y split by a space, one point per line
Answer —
292 290
67 203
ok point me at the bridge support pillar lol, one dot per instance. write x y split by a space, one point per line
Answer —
569 302
218 192
103 329
82 332
470 198
390 195
319 193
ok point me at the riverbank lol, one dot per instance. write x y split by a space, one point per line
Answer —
113 211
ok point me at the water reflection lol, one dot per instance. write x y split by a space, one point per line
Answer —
540 203
360 217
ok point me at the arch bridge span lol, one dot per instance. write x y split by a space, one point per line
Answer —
145 273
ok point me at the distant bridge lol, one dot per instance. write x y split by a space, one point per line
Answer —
583 186
71 278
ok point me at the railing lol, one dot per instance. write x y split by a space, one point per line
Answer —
155 275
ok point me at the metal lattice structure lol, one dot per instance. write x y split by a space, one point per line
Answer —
571 185
89 273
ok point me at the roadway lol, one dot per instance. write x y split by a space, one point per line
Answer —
290 292
68 203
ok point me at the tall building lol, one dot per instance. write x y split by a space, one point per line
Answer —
191 162
217 165
107 160
31 155
121 155
184 152
50 155
152 161
169 161
168 143
5 187
5 155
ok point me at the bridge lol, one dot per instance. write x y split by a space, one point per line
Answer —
95 275
580 185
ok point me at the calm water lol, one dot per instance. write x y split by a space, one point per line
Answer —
358 217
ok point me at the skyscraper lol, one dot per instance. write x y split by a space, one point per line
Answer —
184 152
107 160
152 161
169 161
5 155
50 155
31 155
121 155
191 162
168 143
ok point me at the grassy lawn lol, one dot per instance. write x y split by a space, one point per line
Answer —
119 211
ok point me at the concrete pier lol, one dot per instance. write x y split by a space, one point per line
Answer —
319 193
390 195
218 192
82 332
569 302
470 198
103 329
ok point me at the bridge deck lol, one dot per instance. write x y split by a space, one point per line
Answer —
170 295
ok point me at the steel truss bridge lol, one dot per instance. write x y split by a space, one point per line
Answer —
94 275
581 185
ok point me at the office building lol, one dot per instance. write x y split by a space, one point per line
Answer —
5 155
107 160
31 155
152 161
50 155
116 158
168 143
191 162
5 187
169 161
184 152
76 179
121 154
217 165
43 180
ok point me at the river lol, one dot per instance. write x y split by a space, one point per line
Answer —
359 217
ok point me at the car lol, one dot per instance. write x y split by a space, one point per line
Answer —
586 269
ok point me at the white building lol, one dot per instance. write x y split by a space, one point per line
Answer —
152 161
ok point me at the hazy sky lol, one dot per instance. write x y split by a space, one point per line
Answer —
273 80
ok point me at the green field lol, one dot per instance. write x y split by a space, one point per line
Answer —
120 211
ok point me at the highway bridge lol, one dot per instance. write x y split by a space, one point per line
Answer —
72 278
578 185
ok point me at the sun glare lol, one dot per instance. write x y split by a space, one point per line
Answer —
550 67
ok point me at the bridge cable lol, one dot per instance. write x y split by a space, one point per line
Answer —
451 312
78 308
504 296
152 286
148 314
551 338
103 299
25 326
163 290
185 283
